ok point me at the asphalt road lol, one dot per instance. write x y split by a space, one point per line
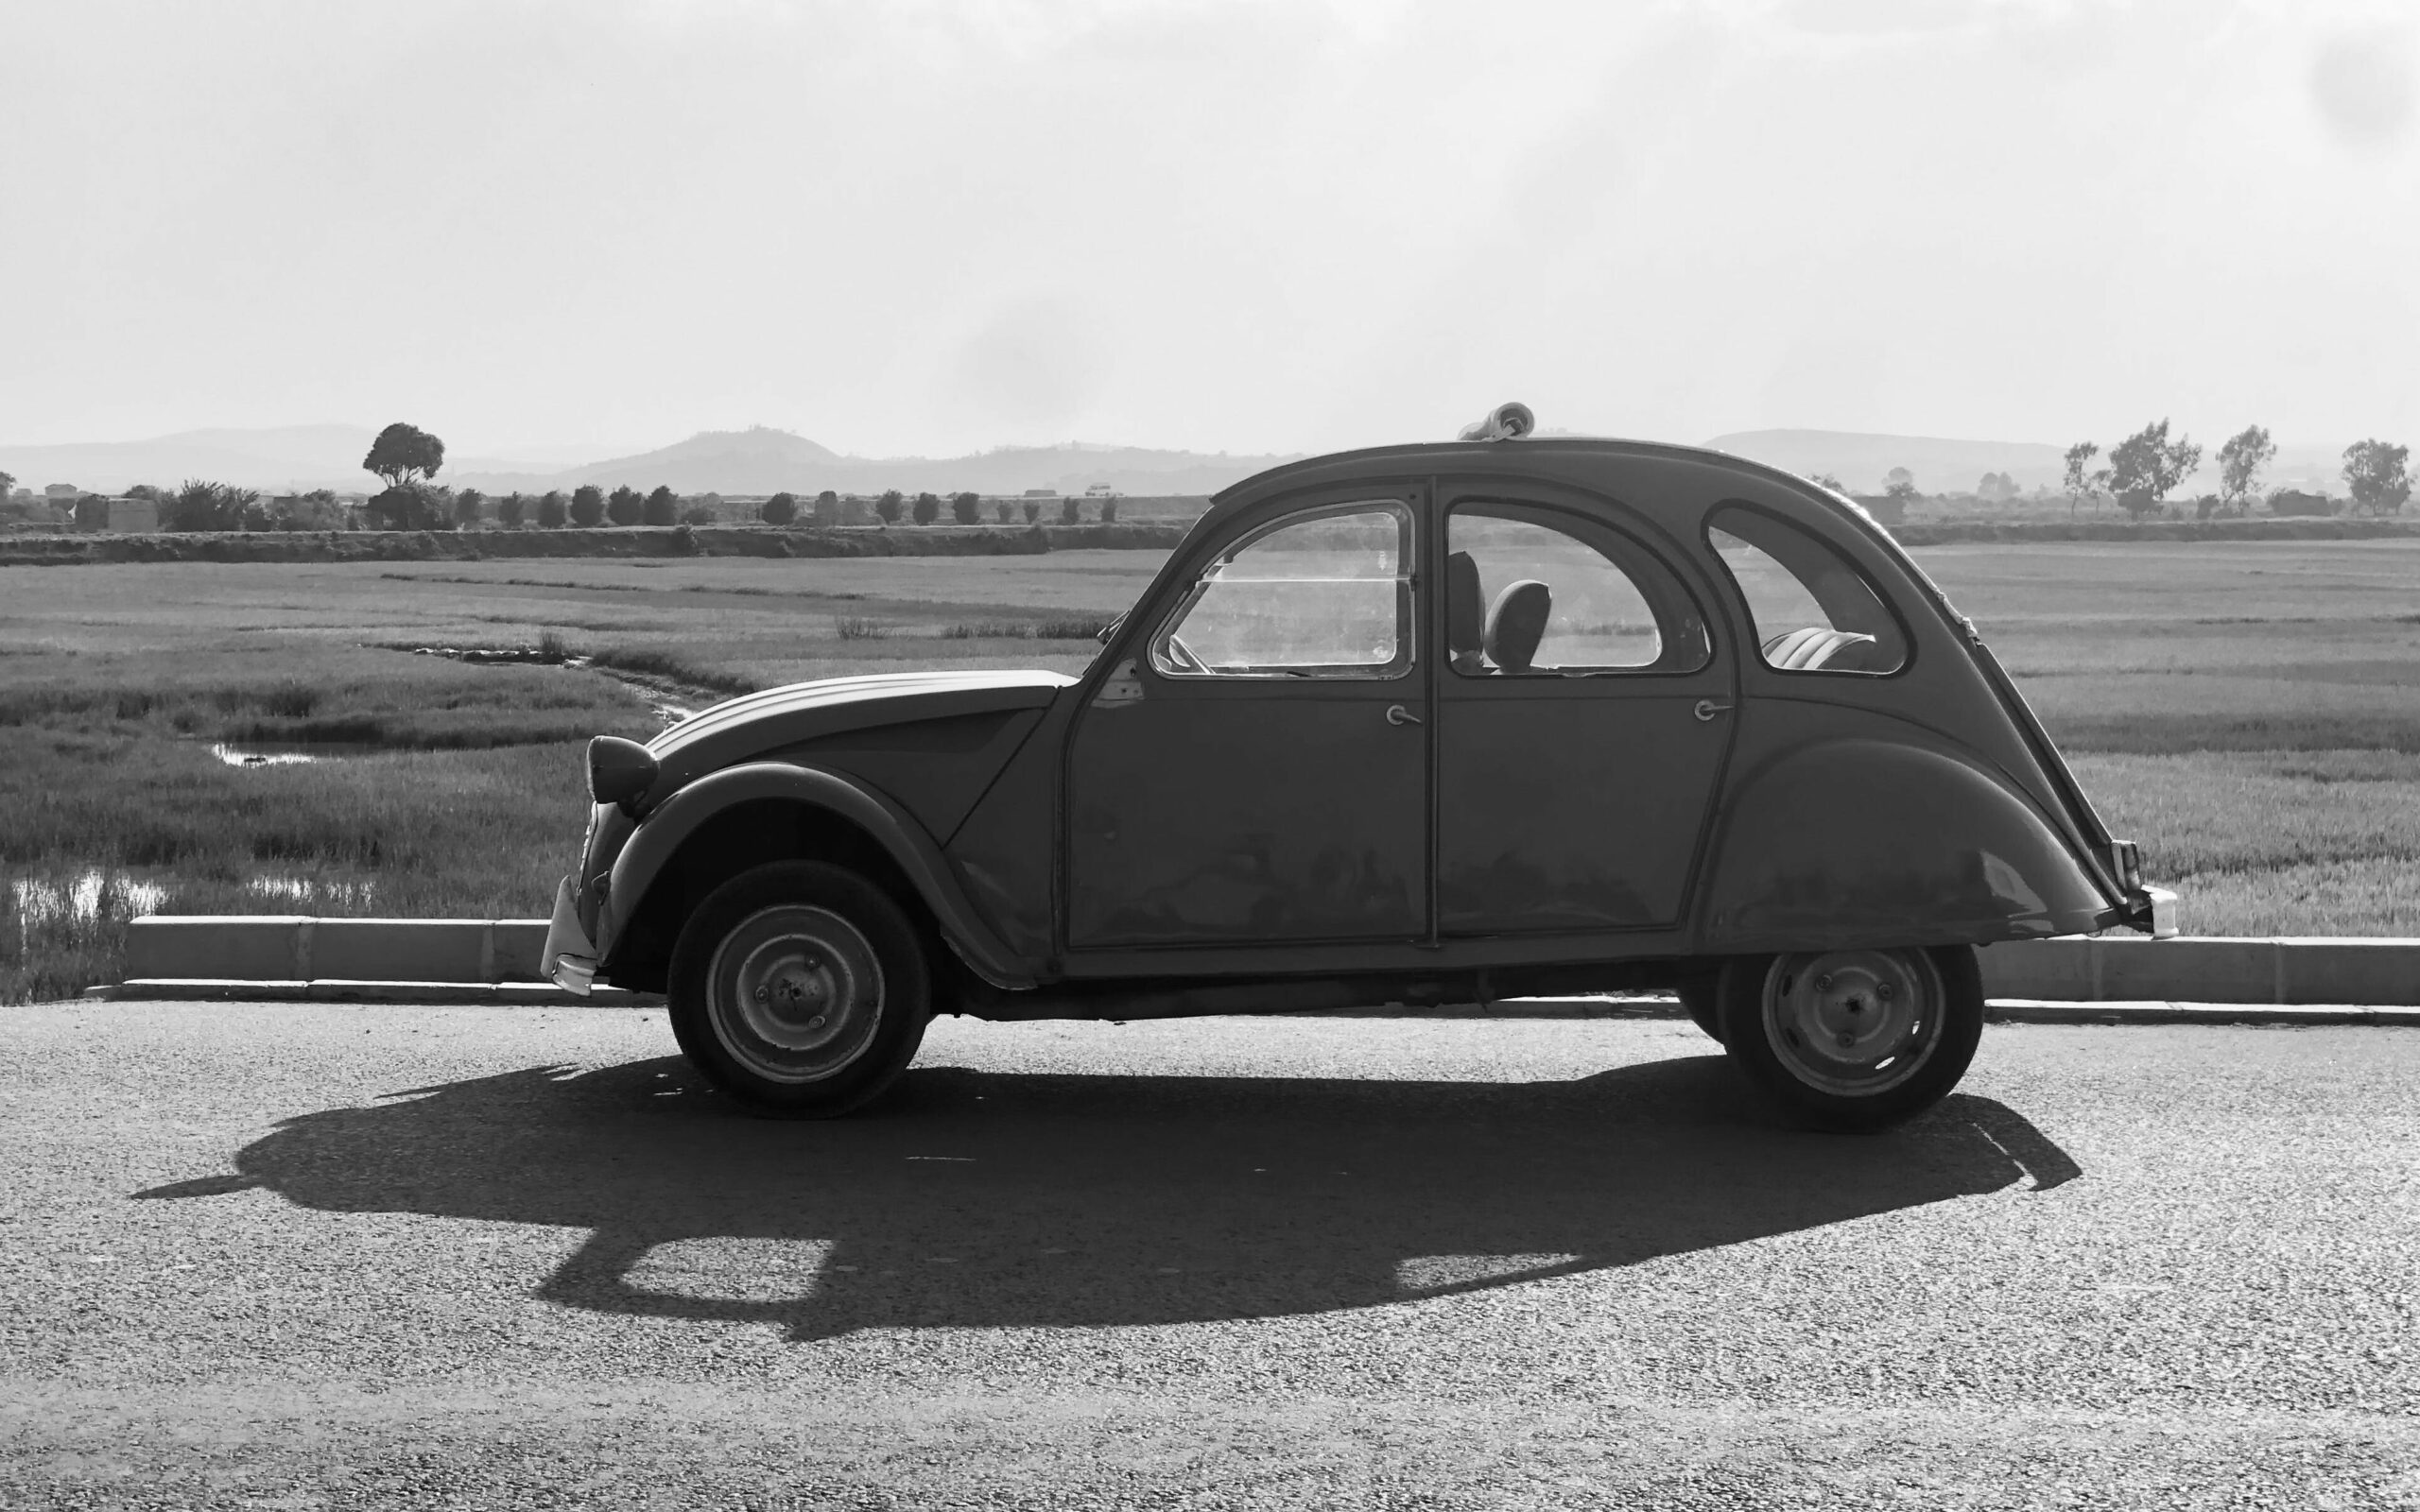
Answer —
290 1256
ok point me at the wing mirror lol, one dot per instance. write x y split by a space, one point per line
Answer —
619 771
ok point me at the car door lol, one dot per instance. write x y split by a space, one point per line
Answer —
1585 709
1258 769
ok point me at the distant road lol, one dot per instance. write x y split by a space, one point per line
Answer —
294 1256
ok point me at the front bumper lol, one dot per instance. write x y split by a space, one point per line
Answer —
569 961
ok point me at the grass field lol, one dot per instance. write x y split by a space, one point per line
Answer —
2250 710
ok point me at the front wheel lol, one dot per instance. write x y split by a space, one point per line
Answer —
799 989
1853 1041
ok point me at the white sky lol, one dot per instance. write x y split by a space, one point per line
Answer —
900 227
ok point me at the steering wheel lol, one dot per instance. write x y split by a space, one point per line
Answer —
1183 655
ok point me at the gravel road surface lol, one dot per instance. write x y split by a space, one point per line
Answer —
295 1256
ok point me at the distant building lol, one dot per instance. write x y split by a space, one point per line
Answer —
120 517
64 494
1042 493
1099 491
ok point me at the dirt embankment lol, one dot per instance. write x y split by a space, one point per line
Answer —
636 540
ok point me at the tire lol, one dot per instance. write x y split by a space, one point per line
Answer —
1702 997
1853 1041
801 989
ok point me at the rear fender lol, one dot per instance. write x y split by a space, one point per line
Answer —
1854 842
919 859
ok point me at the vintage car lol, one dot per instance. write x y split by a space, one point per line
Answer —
1421 725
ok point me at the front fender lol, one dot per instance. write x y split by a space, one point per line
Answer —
660 837
1854 842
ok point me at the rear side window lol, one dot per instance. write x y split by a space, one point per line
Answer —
1814 611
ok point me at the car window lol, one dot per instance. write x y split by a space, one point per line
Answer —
1326 593
1538 592
1814 611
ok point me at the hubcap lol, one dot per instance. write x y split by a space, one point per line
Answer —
794 993
1853 1023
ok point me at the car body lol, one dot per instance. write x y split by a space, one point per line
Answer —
1419 724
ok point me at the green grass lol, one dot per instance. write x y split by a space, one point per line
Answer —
2250 712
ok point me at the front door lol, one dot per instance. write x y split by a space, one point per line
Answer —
1258 771
1585 716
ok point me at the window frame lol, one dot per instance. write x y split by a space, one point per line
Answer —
1547 516
1846 559
1405 580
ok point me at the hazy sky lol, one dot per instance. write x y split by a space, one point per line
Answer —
900 227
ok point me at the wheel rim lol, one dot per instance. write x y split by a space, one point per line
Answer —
1854 1023
795 993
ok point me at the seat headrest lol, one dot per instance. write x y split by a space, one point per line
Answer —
1465 610
1517 621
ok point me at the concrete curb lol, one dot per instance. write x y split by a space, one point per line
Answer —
521 994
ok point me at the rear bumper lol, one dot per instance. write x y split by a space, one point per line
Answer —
569 961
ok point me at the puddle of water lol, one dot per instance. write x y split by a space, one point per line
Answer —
507 655
291 753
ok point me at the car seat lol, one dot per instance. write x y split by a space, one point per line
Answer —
1816 647
1517 621
1465 614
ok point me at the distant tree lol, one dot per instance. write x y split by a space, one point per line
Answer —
2078 483
1903 488
553 511
889 505
2145 467
966 509
468 505
1071 510
145 491
8 485
2239 463
661 508
1825 480
1897 475
588 507
512 509
2378 475
827 508
1109 510
411 506
315 510
701 514
778 511
405 455
928 508
1002 511
200 505
1032 510
625 506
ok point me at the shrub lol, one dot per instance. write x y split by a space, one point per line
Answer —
1032 510
1002 511
625 506
888 506
588 507
1108 511
200 505
552 510
827 508
850 627
511 510
467 506
662 507
701 514
928 508
778 511
966 509
411 506
1071 510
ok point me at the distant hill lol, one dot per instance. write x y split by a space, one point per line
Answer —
769 461
760 460
1939 465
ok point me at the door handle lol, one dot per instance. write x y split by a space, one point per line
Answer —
1707 709
1398 715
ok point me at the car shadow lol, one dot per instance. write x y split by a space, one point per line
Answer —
990 1199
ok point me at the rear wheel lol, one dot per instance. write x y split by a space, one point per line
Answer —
1854 1040
799 989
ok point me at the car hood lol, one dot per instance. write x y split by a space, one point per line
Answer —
761 722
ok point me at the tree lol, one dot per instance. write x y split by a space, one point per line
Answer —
467 506
1002 511
966 509
1109 510
405 455
2146 466
588 507
1032 510
411 506
1071 510
778 511
662 506
1898 474
511 510
1825 480
2080 484
200 505
625 506
827 508
1901 487
8 485
2239 463
553 511
888 506
2379 476
928 508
